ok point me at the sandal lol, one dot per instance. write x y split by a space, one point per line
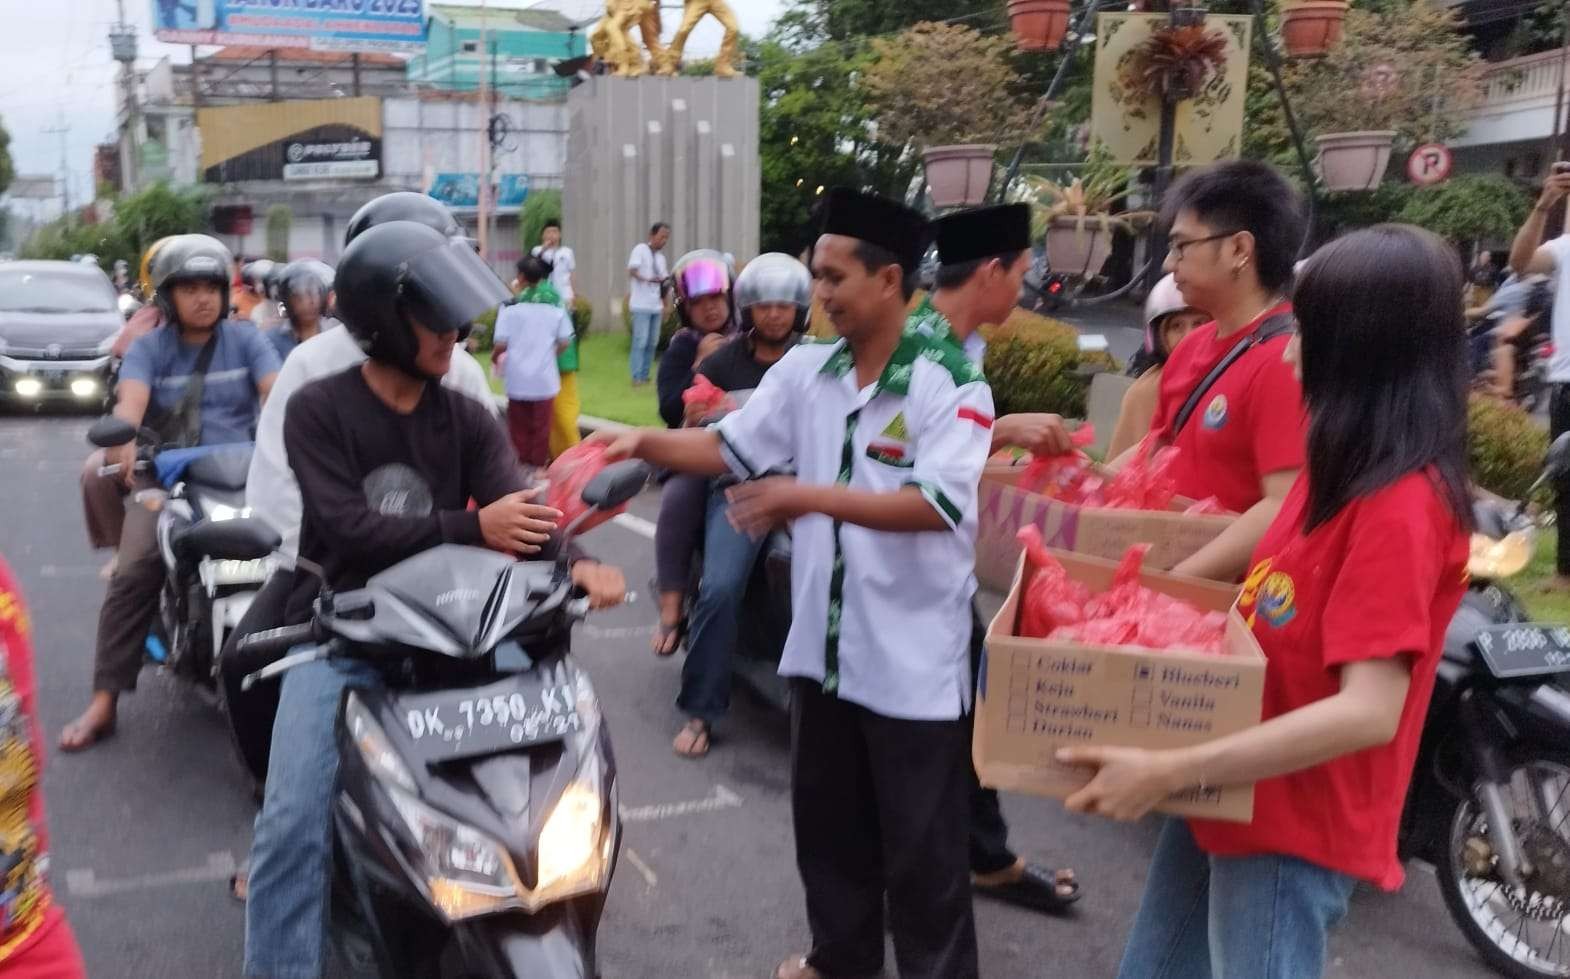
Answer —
240 884
1037 889
668 637
692 741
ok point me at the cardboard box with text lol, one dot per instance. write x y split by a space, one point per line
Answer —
1039 695
1003 508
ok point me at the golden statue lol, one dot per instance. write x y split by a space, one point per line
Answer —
611 38
694 11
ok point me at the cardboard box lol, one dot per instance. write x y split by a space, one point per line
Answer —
1003 508
1037 696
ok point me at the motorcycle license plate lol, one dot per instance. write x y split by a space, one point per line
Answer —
518 712
1523 649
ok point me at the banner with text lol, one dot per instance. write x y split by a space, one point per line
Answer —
323 25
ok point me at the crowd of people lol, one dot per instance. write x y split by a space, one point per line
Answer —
1322 401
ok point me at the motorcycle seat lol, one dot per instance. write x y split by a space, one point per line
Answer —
222 470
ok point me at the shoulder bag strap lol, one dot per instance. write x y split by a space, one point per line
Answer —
185 421
1277 325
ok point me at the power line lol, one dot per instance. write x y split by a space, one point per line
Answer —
63 131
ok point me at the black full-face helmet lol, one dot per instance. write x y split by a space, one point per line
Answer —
403 205
190 258
395 274
774 278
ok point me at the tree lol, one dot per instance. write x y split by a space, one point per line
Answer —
1469 208
810 22
1406 67
7 169
938 84
139 220
541 206
815 131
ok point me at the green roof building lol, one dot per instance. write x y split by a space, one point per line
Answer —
512 49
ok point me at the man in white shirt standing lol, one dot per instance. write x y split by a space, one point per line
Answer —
646 271
561 259
529 336
888 431
1552 258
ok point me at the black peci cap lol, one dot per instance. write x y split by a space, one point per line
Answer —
878 220
983 232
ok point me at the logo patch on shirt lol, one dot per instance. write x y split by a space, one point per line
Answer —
896 429
1270 594
1216 413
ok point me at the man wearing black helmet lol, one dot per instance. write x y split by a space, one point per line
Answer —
196 381
303 294
387 462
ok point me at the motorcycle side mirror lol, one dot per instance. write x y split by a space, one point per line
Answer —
1557 465
240 539
110 431
616 484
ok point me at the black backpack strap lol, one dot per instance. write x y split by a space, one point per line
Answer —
183 425
1278 325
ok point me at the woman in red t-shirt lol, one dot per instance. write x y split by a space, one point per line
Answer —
1351 591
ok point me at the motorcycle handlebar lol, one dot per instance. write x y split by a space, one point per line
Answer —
276 641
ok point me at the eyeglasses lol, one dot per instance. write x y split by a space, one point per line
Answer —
1177 249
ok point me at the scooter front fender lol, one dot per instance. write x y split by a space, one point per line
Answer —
557 942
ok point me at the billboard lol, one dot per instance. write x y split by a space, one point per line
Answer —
323 25
463 189
327 139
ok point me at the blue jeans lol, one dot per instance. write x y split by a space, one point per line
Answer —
728 559
1205 917
291 855
645 337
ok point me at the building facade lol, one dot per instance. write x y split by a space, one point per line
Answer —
512 51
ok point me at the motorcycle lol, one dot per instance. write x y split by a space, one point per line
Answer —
1489 805
476 827
203 597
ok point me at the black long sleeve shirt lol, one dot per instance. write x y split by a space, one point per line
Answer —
378 486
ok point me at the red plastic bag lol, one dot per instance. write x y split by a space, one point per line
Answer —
1209 506
1063 477
1146 481
1052 599
707 396
569 474
1055 606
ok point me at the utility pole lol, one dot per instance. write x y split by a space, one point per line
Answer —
122 44
63 131
485 136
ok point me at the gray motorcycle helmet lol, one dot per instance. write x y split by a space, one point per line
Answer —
774 278
302 278
190 258
402 271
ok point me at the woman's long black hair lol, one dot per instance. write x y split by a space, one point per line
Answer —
1384 362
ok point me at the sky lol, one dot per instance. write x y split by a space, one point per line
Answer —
58 72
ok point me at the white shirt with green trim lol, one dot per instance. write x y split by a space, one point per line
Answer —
881 619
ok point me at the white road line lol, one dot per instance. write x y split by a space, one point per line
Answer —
591 631
69 571
722 798
643 868
638 525
84 883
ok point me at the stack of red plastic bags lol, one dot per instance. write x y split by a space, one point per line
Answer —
1055 606
707 396
1145 482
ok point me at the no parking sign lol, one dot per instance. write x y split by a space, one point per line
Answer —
1429 164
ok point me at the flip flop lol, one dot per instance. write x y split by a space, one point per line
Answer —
1038 889
697 737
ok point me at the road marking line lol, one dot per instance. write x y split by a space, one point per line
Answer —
643 868
69 571
589 631
722 798
84 883
636 524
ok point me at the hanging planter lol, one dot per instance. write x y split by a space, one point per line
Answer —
1354 161
1175 62
959 176
1311 28
1079 246
1039 25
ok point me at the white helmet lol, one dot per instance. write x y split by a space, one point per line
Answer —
1163 301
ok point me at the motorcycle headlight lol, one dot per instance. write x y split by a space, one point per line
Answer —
466 872
575 844
223 511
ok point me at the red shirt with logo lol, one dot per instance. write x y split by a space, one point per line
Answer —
1381 579
35 941
1251 422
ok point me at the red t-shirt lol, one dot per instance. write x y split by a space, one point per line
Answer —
1251 422
1382 578
35 941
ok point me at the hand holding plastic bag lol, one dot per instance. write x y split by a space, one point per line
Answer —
705 398
1063 477
569 474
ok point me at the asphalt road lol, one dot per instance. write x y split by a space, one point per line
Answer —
147 827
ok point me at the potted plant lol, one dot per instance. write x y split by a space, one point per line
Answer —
1175 62
1310 28
1076 220
944 92
1039 25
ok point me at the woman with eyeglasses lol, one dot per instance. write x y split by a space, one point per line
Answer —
1349 596
1235 232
